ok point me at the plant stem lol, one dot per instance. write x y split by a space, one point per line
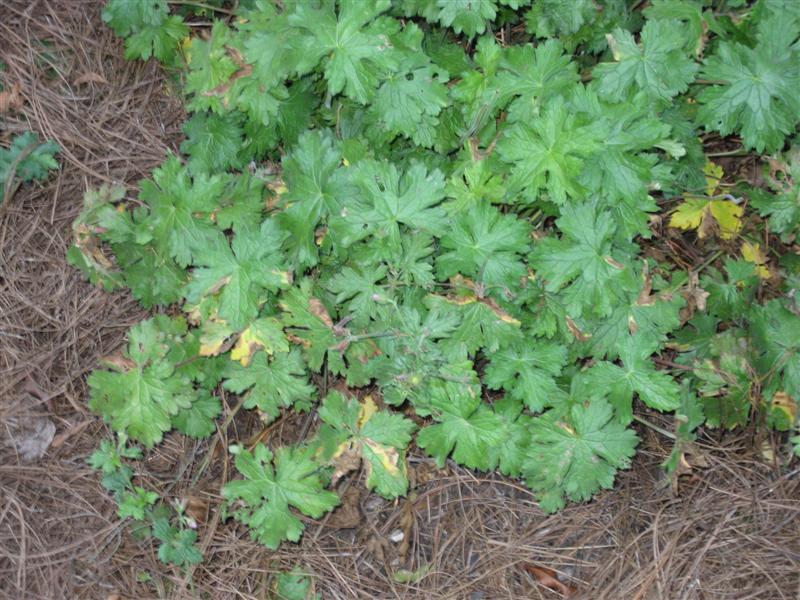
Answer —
201 5
654 427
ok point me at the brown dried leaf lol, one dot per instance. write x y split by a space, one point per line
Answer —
407 521
11 99
549 579
196 508
318 309
347 460
695 297
348 514
576 331
118 362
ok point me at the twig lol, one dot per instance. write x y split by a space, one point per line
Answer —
737 152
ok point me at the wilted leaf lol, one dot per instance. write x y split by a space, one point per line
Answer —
708 216
753 253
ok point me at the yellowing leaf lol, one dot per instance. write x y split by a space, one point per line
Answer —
707 216
368 408
786 404
728 216
713 173
266 333
753 253
388 456
213 334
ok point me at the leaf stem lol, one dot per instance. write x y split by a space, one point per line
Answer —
655 427
201 5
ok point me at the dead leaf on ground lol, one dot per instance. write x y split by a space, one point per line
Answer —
348 514
691 458
11 99
407 521
378 547
695 296
549 579
196 508
30 436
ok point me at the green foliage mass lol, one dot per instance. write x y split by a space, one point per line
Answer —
449 206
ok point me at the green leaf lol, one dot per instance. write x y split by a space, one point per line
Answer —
353 45
549 18
534 75
135 503
159 41
180 210
659 68
311 323
582 259
271 486
510 453
468 16
379 438
317 186
577 456
241 273
213 142
636 375
295 585
147 24
548 154
528 371
465 427
392 199
271 383
36 165
483 324
128 16
782 207
143 392
357 290
757 91
486 245
197 420
177 545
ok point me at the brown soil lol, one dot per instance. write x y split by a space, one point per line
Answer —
731 531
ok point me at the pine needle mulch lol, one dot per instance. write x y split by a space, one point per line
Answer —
730 531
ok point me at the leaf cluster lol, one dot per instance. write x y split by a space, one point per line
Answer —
451 226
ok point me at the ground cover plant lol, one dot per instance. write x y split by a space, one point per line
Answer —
436 224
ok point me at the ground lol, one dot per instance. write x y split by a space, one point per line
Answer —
730 529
